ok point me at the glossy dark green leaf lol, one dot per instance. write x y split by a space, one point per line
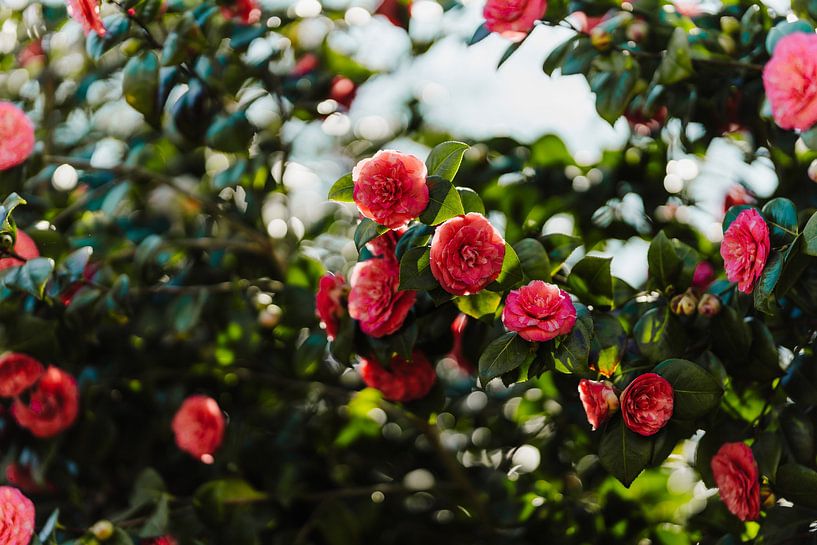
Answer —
415 270
659 335
798 431
557 55
504 354
140 85
443 202
366 231
613 92
798 484
781 215
810 236
664 263
732 214
677 62
479 304
763 293
579 58
215 497
533 259
30 277
343 190
9 204
230 133
767 449
590 280
697 392
471 201
572 353
785 28
445 159
624 453
480 34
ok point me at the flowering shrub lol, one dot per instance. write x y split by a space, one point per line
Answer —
448 350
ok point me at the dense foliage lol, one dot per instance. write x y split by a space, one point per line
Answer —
185 360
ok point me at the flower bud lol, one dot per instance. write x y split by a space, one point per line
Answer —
270 317
601 39
684 304
7 241
812 171
637 31
729 25
102 530
709 305
767 497
727 43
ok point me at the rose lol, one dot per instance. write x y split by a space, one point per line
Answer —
790 80
745 248
390 188
599 400
329 302
18 372
16 517
403 381
198 427
24 247
646 404
86 13
466 254
539 312
736 474
513 19
53 404
374 299
16 136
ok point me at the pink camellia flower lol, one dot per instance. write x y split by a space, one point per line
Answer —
53 404
374 299
646 404
466 254
199 427
736 475
86 13
513 19
385 244
24 247
790 80
390 188
16 135
599 400
403 380
245 11
16 517
329 302
18 372
539 312
703 276
745 249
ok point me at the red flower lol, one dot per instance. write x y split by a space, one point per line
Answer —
513 19
599 400
199 427
374 299
390 188
457 353
736 475
86 13
466 254
16 517
745 249
343 91
329 301
403 380
246 11
162 540
737 195
16 136
88 273
539 312
20 476
647 403
53 404
703 276
18 372
24 247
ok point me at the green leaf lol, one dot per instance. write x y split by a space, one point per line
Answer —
116 30
342 346
731 335
798 431
732 214
148 488
798 484
557 56
572 354
810 138
810 236
480 34
444 159
140 85
29 277
533 259
9 204
49 526
559 246
511 49
415 270
764 289
504 354
471 201
764 361
624 453
767 449
579 58
443 202
613 91
677 62
697 392
479 304
781 215
609 343
415 236
664 263
785 28
231 133
402 343
591 281
343 190
659 335
366 231
216 497
511 274
157 522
